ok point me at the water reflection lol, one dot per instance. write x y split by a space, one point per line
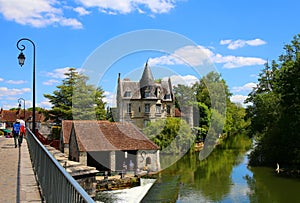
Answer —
224 177
266 186
209 180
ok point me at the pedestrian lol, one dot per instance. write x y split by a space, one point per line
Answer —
22 132
16 132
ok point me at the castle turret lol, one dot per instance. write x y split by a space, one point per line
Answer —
147 77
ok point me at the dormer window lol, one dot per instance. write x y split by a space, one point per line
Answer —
158 92
168 96
147 94
127 94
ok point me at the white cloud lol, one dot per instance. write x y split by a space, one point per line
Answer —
37 13
238 98
199 55
50 82
1 79
247 87
45 104
237 61
81 11
42 13
59 73
110 99
191 55
4 91
224 42
129 6
241 43
256 42
16 82
187 80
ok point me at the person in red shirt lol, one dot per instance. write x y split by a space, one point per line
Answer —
22 133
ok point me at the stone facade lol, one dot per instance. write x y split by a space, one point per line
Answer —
144 101
148 159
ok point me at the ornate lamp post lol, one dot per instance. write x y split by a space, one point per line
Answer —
19 101
21 59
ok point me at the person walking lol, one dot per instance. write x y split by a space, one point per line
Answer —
22 132
16 132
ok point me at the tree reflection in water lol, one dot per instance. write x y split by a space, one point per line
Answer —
210 179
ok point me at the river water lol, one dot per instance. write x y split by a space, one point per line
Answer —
223 177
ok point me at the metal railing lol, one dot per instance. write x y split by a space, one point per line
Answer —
56 184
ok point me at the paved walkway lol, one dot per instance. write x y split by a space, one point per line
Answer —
17 180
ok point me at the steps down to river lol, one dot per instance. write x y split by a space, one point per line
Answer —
84 175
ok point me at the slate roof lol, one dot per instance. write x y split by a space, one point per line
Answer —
109 136
147 77
146 83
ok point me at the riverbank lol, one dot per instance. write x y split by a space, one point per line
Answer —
288 172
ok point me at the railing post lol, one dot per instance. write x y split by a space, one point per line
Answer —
56 184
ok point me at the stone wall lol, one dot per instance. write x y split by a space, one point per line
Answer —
149 159
83 158
84 175
138 115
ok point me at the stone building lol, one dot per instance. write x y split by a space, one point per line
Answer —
109 145
144 101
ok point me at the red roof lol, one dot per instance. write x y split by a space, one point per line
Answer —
109 136
13 115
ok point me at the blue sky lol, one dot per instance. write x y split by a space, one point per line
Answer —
237 36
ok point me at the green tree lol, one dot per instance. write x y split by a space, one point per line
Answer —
88 99
213 91
173 135
275 113
184 96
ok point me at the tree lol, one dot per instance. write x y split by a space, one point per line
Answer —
184 96
74 99
173 136
275 113
213 91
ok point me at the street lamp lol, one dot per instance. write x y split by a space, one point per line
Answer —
21 59
19 101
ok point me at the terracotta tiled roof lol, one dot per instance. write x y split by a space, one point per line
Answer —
66 130
13 115
110 136
178 113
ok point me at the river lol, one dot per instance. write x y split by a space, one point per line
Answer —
223 177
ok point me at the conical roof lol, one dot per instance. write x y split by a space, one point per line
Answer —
147 77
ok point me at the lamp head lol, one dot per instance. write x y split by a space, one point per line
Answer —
21 59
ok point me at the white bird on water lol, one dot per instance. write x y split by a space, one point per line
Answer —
277 169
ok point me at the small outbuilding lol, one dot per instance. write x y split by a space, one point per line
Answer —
109 146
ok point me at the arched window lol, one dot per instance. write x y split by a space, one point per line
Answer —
148 160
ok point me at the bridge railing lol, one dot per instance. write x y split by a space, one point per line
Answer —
56 184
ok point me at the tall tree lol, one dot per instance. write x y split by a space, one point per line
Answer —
74 99
213 91
275 113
